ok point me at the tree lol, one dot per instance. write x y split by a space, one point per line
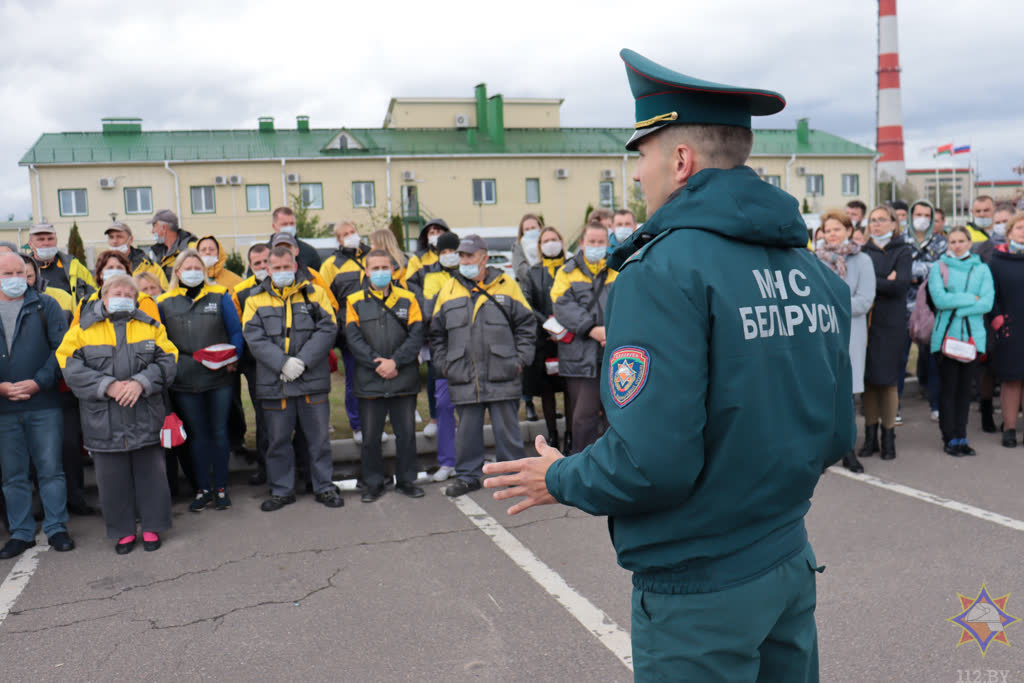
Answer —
806 207
586 216
307 225
76 247
637 205
234 263
397 229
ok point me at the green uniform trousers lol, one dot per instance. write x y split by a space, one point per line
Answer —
762 630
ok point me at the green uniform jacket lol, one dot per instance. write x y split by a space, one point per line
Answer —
726 381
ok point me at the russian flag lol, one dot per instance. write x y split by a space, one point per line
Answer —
963 149
944 149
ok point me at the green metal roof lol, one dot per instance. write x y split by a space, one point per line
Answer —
215 145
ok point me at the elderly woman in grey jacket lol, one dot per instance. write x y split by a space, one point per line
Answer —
839 252
118 362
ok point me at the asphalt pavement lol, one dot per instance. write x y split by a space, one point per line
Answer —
405 589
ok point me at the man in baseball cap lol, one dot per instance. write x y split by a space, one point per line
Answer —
170 239
59 269
120 238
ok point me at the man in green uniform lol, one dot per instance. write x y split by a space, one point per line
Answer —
727 386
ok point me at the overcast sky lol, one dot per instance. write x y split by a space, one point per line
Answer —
196 65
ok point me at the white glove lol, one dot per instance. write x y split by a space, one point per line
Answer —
293 367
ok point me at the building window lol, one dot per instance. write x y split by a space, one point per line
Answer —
312 195
816 184
775 180
533 190
202 199
257 197
363 195
851 184
138 200
484 192
607 193
73 202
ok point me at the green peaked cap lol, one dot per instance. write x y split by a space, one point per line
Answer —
665 97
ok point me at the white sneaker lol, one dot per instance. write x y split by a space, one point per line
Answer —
935 416
430 431
418 418
444 472
357 436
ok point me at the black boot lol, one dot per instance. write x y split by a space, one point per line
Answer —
988 423
553 439
851 463
1010 438
888 444
870 446
531 412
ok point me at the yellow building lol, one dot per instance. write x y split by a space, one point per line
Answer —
476 162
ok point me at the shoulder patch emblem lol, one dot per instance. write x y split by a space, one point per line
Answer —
628 368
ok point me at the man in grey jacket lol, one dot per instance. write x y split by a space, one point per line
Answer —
289 327
482 334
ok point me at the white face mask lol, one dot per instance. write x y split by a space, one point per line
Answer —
921 223
46 253
622 233
111 272
551 249
999 229
123 248
209 261
191 278
351 241
432 240
449 260
288 230
260 275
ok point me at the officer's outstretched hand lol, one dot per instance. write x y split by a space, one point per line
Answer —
524 478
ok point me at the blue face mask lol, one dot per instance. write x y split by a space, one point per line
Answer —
594 254
469 270
1016 247
380 278
191 278
282 279
120 304
13 286
288 230
983 222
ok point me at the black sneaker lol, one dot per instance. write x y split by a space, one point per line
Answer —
410 490
331 497
461 487
276 503
370 495
202 499
15 547
221 500
61 542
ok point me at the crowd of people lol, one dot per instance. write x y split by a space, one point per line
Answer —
954 293
98 362
137 364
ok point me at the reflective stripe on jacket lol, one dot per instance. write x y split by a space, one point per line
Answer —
472 343
99 351
579 296
396 333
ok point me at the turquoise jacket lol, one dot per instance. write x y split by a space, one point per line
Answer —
966 299
727 385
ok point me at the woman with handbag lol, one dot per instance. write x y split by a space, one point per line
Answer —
962 290
843 257
1007 266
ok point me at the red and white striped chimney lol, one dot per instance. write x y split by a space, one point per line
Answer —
890 111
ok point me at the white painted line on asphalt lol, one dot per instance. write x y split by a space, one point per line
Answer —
988 516
350 484
16 581
593 619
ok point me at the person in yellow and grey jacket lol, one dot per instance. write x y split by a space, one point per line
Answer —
426 260
200 315
171 240
120 238
108 264
482 335
290 327
60 270
119 361
384 333
214 258
579 295
343 272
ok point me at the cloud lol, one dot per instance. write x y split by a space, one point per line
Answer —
195 65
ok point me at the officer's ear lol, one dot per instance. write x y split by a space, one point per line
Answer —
682 163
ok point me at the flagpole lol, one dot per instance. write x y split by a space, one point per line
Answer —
938 195
955 202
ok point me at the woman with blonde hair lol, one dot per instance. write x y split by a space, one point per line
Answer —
385 239
202 321
149 284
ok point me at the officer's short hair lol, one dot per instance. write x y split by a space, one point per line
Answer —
257 248
717 146
940 212
285 210
379 253
119 281
857 204
282 250
593 225
626 212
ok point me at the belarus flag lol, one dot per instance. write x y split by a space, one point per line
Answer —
962 149
944 149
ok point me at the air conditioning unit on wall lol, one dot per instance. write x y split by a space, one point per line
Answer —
462 120
235 179
107 183
759 170
801 170
607 174
292 177
220 180
561 173
408 175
